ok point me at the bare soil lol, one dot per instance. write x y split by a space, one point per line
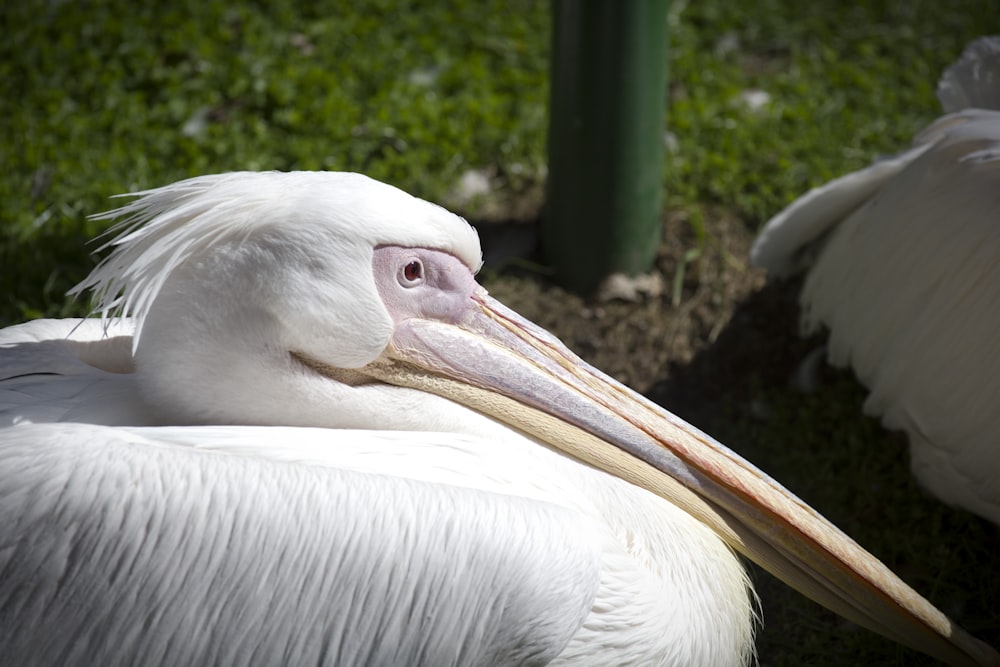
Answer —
641 342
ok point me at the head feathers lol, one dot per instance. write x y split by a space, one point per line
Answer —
164 227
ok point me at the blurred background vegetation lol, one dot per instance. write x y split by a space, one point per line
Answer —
767 98
105 97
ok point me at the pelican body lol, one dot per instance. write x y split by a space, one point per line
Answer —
302 433
904 270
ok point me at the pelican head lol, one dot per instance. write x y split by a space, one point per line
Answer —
338 301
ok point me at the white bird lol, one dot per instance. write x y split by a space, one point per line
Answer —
312 438
905 275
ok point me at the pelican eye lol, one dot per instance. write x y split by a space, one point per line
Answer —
412 273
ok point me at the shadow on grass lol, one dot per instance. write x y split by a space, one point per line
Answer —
40 267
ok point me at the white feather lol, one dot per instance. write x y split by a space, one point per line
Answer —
515 554
907 279
236 559
164 227
973 82
233 545
69 370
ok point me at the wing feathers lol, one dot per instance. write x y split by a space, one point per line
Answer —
143 553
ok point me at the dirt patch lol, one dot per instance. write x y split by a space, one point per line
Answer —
640 342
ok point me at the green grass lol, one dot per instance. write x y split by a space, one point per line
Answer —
846 83
99 98
103 98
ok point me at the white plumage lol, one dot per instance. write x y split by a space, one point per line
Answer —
472 557
519 554
312 438
905 273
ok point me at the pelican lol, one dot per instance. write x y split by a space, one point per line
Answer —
905 274
302 433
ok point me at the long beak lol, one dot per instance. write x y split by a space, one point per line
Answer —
501 364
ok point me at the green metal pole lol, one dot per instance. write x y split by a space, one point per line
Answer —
606 122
